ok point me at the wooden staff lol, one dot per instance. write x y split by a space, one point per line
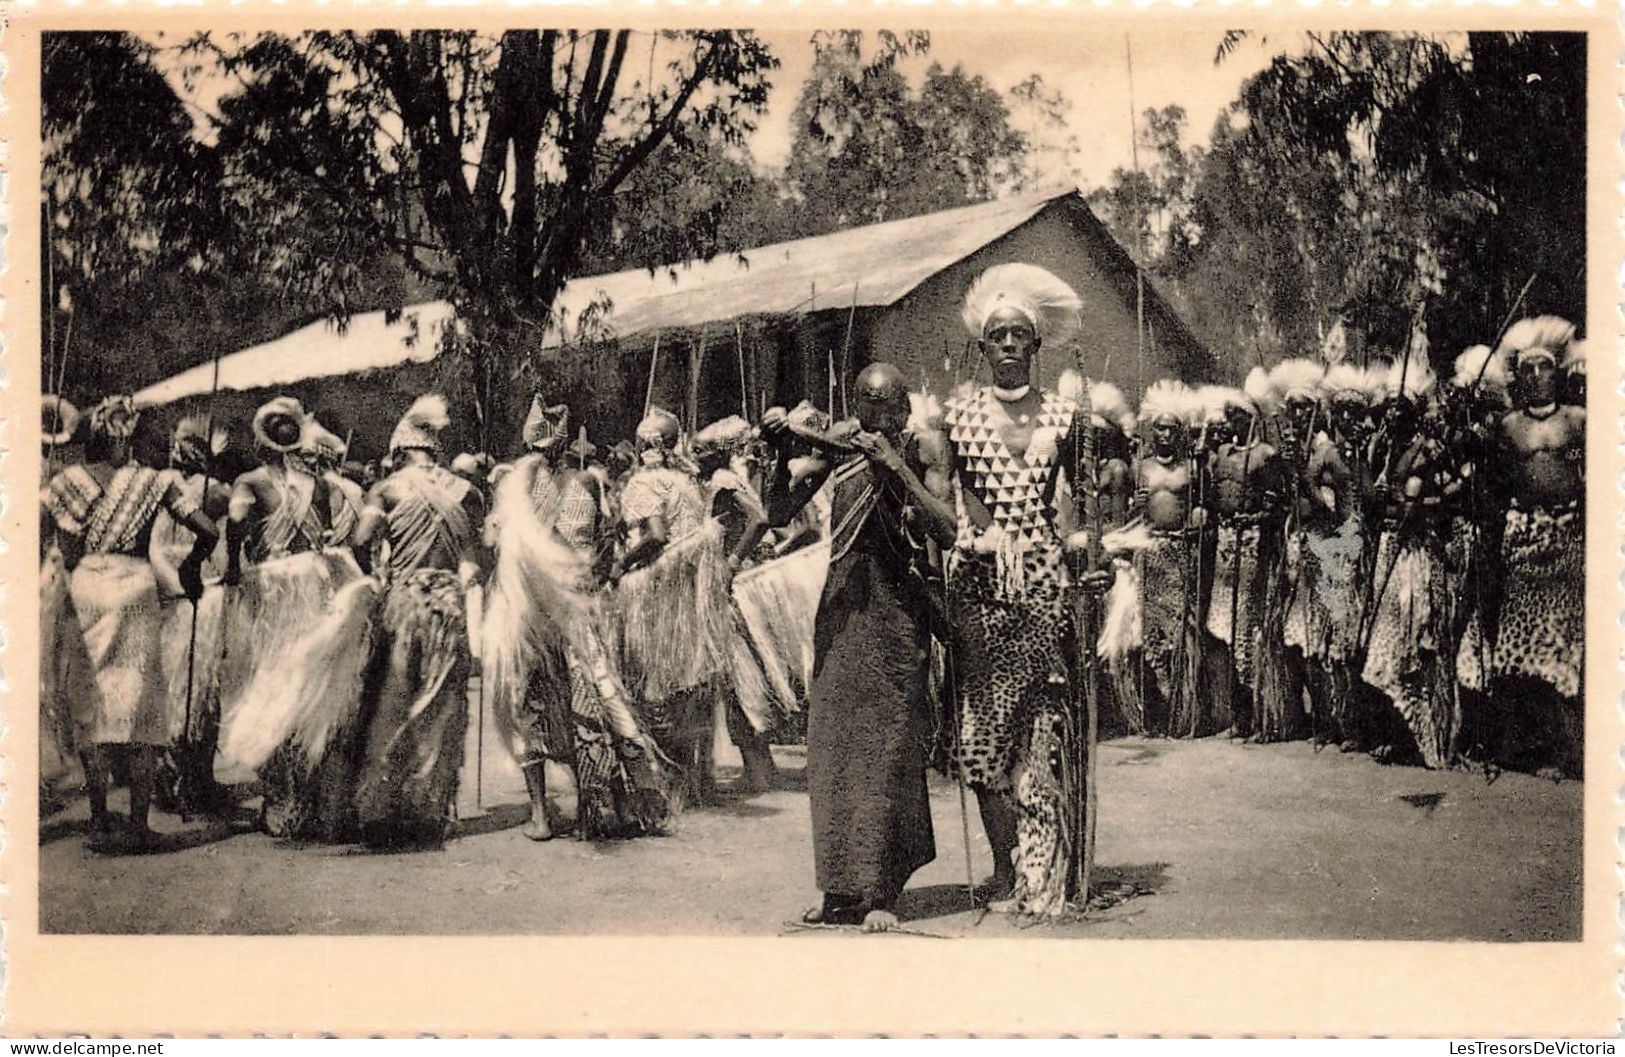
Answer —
654 362
197 603
744 386
1085 477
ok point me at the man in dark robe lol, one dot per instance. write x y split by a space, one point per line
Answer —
869 723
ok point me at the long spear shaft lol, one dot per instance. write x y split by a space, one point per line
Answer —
654 363
1506 324
197 603
1086 482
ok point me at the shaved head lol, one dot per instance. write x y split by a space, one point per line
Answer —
882 399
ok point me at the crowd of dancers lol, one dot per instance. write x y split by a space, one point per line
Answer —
1382 556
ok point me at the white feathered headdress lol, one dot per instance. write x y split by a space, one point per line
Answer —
1258 392
1048 303
1539 336
1575 360
280 409
1169 398
420 427
1413 375
1211 401
1344 380
1480 365
1298 378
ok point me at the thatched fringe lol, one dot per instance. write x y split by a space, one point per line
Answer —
676 618
328 675
779 603
307 689
277 604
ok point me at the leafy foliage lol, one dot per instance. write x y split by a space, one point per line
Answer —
1372 178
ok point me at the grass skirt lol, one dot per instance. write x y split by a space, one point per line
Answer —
276 606
676 619
779 603
417 703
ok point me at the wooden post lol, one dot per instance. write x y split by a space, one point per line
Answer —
654 364
696 361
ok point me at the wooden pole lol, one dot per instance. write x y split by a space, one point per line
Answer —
696 367
846 349
654 362
744 384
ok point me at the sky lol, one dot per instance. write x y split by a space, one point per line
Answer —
1089 69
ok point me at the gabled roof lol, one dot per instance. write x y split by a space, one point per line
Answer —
869 266
872 265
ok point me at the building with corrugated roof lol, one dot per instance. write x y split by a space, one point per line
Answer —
770 325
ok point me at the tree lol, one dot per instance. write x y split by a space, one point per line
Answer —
1373 178
490 165
125 191
870 147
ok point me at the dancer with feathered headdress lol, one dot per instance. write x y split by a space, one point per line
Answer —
101 513
412 711
1011 445
675 576
1245 501
1165 571
1409 649
560 704
760 693
281 574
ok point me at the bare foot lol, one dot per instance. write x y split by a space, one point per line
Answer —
879 920
1011 905
537 828
832 911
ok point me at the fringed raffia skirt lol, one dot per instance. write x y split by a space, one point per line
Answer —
417 701
1542 617
1409 629
678 633
276 605
116 600
778 601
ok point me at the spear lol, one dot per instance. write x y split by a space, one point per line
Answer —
1085 482
197 603
1506 324
744 385
654 362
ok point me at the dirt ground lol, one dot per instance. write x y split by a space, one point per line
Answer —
1218 839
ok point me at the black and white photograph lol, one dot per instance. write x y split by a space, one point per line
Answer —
814 484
